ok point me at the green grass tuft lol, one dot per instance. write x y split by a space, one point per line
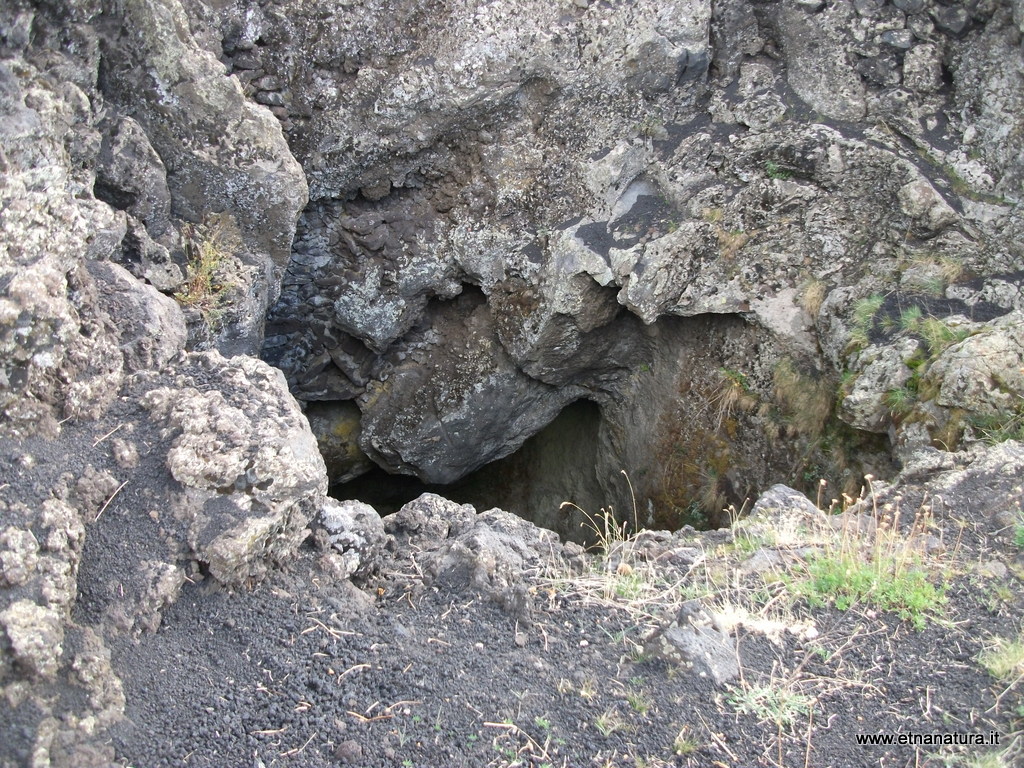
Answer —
882 583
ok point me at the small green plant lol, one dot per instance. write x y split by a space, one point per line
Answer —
653 128
628 584
638 701
774 171
997 596
685 743
864 312
904 589
1004 660
1000 427
938 335
609 722
542 722
882 568
901 400
776 703
987 760
588 689
910 317
208 247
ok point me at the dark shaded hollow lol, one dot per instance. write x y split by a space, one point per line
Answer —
558 464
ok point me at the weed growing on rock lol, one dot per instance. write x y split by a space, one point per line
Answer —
685 743
1000 427
939 335
1004 660
910 317
812 296
638 701
864 312
208 246
621 577
805 399
901 400
609 722
774 171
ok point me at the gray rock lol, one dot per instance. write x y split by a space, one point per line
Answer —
910 6
819 71
246 503
92 670
162 586
984 374
900 39
780 502
270 98
57 358
458 549
427 421
130 176
922 202
36 635
241 165
19 554
149 326
694 642
879 371
984 479
428 520
336 426
984 82
922 69
149 260
356 531
952 20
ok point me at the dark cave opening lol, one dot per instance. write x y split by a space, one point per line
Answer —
690 435
558 464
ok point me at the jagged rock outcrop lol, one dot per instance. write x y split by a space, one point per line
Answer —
454 546
683 224
130 463
489 218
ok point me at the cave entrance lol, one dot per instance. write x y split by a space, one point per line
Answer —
710 416
558 464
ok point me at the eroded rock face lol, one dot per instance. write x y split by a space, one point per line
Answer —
664 214
454 546
490 217
244 457
110 185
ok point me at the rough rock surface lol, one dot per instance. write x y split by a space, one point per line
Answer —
451 544
490 217
355 530
692 641
112 174
656 223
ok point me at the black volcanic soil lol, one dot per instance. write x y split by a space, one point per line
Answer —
305 671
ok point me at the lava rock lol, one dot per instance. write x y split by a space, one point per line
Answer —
357 533
693 641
